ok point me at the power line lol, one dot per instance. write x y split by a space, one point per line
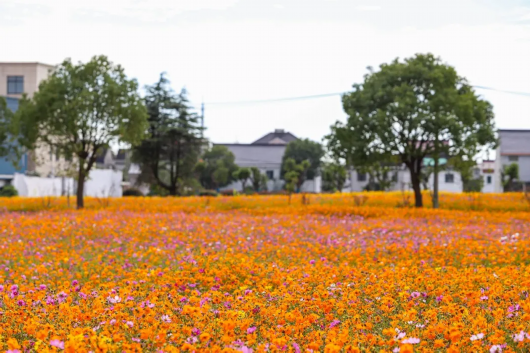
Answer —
503 91
261 101
278 99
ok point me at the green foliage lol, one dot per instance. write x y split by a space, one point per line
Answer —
242 174
216 167
333 177
379 176
258 180
474 185
295 174
412 109
80 110
169 153
509 176
8 191
132 192
303 150
208 193
6 119
465 166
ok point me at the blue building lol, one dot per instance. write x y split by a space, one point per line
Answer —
7 169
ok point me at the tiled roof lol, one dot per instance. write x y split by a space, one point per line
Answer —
276 137
514 142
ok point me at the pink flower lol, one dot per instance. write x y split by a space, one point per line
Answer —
57 343
165 318
296 347
42 287
312 262
195 331
21 303
74 283
334 323
411 340
251 329
129 323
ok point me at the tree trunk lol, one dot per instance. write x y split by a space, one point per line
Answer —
435 202
80 186
416 184
172 190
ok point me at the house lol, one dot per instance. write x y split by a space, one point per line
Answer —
448 180
514 147
17 79
266 154
487 171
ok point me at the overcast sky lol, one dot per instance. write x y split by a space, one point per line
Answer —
238 50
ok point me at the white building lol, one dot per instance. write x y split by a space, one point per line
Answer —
266 154
448 180
514 147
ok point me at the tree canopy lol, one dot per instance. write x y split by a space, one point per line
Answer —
303 150
173 142
80 110
216 167
6 117
412 109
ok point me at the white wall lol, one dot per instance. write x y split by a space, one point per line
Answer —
104 183
101 183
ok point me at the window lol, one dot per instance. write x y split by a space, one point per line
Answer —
15 84
513 158
488 179
361 176
449 178
395 177
270 174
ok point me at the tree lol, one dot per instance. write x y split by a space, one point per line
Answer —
6 117
409 110
509 175
465 166
242 174
303 150
169 153
258 180
216 167
80 110
333 176
295 174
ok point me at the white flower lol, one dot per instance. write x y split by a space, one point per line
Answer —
114 300
478 336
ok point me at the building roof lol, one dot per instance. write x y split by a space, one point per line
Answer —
257 155
514 142
278 137
26 63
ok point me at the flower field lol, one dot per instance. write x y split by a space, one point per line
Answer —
257 274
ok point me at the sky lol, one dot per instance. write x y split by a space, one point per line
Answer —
247 50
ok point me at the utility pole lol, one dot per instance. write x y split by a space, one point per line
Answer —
202 120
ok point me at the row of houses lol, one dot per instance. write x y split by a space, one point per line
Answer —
266 153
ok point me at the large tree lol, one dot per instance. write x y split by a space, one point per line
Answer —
80 110
303 150
170 151
412 109
216 167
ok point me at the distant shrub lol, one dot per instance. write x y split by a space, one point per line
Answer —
8 191
229 192
208 193
132 192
